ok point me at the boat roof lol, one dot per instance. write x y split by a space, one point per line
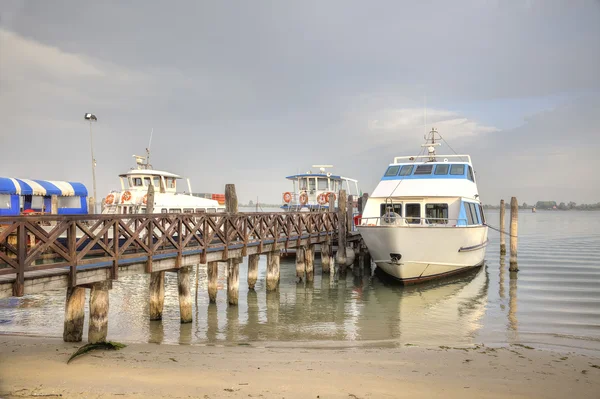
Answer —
149 172
325 175
10 185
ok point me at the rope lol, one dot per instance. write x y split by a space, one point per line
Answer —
499 231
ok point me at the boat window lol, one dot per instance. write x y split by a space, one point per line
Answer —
200 210
4 201
170 182
37 202
385 208
470 174
147 181
323 184
303 184
413 213
212 210
424 170
174 210
471 215
436 213
163 210
69 202
156 181
142 210
441 169
457 169
406 170
392 170
312 184
188 210
481 213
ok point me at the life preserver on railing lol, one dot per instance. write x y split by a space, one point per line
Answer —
303 198
287 197
322 199
145 199
126 196
110 199
330 194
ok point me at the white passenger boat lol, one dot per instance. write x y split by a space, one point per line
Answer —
425 220
312 190
132 197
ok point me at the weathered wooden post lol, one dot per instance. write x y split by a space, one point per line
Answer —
273 259
212 270
300 264
514 228
98 328
309 258
91 205
253 270
233 265
350 213
74 314
325 256
185 294
157 279
54 204
365 198
502 229
341 234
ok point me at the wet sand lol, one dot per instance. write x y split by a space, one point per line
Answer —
37 367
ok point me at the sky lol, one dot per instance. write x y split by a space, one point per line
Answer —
251 92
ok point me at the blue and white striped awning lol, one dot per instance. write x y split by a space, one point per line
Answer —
9 185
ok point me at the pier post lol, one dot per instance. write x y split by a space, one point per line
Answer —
98 328
273 259
300 264
157 279
502 228
185 294
365 198
233 265
253 270
74 314
54 204
91 205
325 257
341 234
212 270
350 213
514 228
309 259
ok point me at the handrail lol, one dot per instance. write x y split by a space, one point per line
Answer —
415 157
397 220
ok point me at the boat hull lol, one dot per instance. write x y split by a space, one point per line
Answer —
425 253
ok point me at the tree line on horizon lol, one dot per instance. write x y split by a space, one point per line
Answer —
550 205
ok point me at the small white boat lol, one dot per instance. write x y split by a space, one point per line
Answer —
312 190
425 220
132 198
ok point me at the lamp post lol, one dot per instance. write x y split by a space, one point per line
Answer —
92 118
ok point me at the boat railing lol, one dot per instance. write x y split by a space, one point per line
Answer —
395 219
463 158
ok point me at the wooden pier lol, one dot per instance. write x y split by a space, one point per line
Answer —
40 253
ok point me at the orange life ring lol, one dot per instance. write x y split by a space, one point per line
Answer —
145 199
110 199
126 196
304 198
287 197
322 199
330 194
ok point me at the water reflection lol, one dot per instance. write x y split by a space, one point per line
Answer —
512 303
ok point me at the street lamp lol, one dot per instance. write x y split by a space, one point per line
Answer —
92 118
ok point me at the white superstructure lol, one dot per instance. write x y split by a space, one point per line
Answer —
425 220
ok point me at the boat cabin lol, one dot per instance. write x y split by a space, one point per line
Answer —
25 196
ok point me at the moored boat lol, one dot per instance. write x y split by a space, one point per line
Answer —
425 219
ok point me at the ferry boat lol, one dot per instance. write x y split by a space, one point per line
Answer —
425 219
311 191
133 198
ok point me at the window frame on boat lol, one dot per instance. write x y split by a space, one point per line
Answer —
409 168
174 210
322 180
457 165
470 174
435 219
441 166
425 169
412 219
5 201
396 208
392 170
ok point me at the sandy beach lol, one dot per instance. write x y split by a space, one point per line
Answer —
37 367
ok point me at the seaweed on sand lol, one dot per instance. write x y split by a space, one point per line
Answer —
110 345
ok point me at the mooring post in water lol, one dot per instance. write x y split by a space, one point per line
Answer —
233 265
350 213
98 328
185 294
309 259
157 279
212 270
325 257
300 264
273 259
252 270
514 231
341 234
74 314
502 228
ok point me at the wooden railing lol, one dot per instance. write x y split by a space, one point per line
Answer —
34 243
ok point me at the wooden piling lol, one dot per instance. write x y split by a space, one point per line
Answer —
300 264
54 204
185 294
212 270
91 205
350 213
273 259
365 198
325 255
233 265
309 257
157 279
74 314
502 229
514 228
341 236
98 328
253 270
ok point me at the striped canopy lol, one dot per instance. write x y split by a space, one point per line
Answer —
9 185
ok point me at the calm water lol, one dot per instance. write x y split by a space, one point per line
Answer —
553 301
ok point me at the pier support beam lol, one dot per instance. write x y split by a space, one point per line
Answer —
157 295
98 328
514 228
74 314
325 255
309 259
502 228
212 270
253 270
273 259
300 264
233 265
185 294
341 252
